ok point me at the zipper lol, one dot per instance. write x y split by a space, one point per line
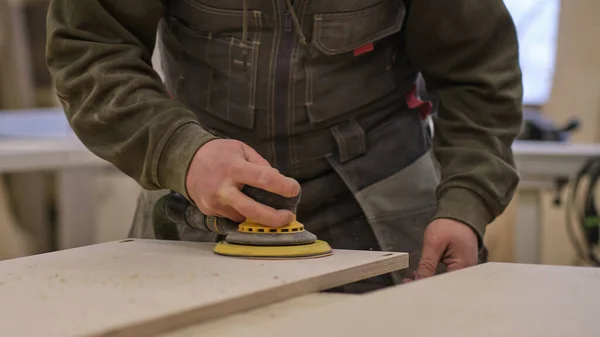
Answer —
282 79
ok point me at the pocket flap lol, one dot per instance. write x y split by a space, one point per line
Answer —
336 33
201 18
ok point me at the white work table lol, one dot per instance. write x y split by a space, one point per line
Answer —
45 154
539 163
42 140
39 140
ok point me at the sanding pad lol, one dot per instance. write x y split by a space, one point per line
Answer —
312 250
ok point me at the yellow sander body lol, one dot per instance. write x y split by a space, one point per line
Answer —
253 240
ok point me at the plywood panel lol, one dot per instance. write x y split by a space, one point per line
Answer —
492 300
137 287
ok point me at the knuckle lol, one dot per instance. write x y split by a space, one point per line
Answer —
265 177
224 196
294 188
235 168
246 209
274 218
283 218
427 264
267 217
435 241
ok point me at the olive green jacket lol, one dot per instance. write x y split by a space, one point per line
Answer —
99 53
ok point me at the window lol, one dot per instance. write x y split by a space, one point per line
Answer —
537 27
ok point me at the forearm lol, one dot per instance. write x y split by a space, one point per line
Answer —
468 53
99 54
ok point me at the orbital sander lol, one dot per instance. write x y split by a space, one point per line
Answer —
174 216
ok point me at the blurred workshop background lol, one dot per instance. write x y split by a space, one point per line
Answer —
54 194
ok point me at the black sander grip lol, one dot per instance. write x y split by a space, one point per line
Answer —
173 211
271 199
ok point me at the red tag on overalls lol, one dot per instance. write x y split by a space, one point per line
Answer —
413 102
363 49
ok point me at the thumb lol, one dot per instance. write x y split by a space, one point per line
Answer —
430 257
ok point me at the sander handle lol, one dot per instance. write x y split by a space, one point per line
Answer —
271 199
173 211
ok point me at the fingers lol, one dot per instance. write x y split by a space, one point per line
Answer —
264 177
230 213
255 211
252 156
432 253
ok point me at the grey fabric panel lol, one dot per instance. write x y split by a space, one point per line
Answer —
400 207
404 192
391 147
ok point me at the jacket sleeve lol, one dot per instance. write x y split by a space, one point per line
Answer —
99 55
467 52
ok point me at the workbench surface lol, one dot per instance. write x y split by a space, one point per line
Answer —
491 300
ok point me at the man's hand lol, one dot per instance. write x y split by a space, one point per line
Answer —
450 242
219 170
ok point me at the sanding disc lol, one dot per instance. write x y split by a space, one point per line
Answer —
316 249
268 239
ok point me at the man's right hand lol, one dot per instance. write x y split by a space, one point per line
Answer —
219 170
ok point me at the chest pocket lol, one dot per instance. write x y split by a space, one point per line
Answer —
217 67
344 72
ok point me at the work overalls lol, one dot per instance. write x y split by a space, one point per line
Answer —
330 105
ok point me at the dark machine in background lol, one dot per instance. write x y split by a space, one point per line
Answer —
538 127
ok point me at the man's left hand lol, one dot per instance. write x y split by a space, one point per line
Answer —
450 242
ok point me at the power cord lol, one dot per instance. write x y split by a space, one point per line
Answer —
585 212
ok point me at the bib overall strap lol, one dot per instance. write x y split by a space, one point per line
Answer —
350 139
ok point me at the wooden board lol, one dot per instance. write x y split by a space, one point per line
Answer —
274 311
142 287
492 300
